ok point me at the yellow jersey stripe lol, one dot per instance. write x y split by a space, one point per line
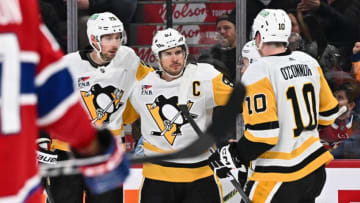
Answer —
60 145
175 174
327 99
263 190
221 90
142 71
153 148
287 177
326 122
267 140
288 156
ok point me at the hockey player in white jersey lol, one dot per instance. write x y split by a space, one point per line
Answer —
164 127
249 54
105 76
287 99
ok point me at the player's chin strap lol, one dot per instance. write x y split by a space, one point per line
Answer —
190 71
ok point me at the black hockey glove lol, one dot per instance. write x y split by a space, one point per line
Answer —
224 159
44 155
112 168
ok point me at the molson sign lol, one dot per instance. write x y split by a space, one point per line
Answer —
194 34
149 58
187 12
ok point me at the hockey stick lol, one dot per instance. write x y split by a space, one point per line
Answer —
183 105
45 183
233 180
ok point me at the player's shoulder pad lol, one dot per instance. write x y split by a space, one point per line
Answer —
207 70
304 57
143 70
126 57
255 72
72 55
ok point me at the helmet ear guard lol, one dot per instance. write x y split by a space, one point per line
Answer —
273 25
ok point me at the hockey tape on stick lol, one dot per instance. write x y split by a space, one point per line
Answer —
342 110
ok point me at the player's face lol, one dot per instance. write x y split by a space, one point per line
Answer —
172 60
109 45
227 31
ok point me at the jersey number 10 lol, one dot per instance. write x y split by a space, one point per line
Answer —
308 94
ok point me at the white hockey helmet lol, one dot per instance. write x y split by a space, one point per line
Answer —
167 39
100 24
250 51
274 25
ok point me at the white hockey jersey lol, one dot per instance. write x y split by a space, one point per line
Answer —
105 89
287 98
164 127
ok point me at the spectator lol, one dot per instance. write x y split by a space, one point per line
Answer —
340 21
223 54
308 36
356 61
339 135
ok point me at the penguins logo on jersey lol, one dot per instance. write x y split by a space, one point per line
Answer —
168 117
102 102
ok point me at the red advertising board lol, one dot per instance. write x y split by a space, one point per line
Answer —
187 12
194 34
149 58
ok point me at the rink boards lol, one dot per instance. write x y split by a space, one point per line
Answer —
342 185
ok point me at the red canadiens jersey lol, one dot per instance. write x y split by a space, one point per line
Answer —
338 132
36 92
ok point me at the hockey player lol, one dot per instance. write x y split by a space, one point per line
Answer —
164 127
249 53
104 77
287 98
37 94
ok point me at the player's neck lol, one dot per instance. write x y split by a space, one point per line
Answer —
95 58
167 77
268 50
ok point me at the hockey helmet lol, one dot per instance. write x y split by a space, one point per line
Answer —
250 51
167 39
100 24
274 25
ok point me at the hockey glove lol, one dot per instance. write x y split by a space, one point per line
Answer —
111 171
217 166
44 155
224 159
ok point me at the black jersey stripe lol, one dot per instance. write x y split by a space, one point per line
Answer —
182 165
330 112
297 167
263 126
